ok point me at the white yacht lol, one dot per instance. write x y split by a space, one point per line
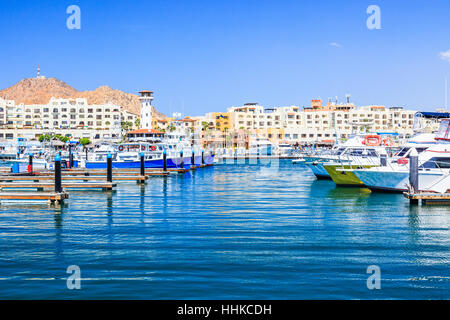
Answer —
260 146
356 148
434 167
285 150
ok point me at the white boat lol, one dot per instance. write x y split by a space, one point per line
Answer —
299 161
284 150
8 152
434 168
355 150
260 146
174 144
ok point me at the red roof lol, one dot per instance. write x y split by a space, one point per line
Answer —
145 131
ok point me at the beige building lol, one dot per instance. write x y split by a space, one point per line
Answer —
319 124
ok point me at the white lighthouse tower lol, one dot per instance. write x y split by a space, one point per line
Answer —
146 109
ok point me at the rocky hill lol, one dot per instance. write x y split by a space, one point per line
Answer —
41 90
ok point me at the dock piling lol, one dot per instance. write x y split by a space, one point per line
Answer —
58 184
142 164
164 160
414 173
30 163
70 156
109 167
181 160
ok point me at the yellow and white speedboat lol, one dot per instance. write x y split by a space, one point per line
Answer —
360 151
344 171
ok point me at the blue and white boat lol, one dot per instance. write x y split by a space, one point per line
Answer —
128 155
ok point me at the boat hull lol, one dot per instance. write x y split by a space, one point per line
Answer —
319 171
157 163
344 178
394 181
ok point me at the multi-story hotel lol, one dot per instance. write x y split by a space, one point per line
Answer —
319 124
322 124
218 120
68 117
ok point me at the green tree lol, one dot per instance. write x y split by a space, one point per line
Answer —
205 125
62 138
84 141
126 125
171 127
137 122
45 137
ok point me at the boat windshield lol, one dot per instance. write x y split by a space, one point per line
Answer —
340 151
361 152
443 132
437 162
406 151
403 152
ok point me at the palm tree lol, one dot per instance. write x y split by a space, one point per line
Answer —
171 127
126 125
84 141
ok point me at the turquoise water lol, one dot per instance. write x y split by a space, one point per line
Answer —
226 232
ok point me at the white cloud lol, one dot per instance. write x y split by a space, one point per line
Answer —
335 44
445 55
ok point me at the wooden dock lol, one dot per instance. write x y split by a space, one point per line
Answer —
251 157
68 185
428 198
38 178
123 172
34 196
115 170
126 173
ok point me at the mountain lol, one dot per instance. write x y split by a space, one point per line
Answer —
41 90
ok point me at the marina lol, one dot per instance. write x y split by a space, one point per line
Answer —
284 228
275 219
224 159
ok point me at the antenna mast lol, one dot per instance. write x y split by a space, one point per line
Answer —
446 93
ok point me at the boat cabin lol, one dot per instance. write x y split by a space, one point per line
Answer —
151 135
140 147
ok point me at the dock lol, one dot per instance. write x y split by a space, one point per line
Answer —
38 178
124 173
70 185
428 198
148 171
52 197
254 157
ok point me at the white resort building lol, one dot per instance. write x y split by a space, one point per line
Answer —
320 124
74 118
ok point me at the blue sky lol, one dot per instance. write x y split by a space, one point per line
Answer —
201 56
